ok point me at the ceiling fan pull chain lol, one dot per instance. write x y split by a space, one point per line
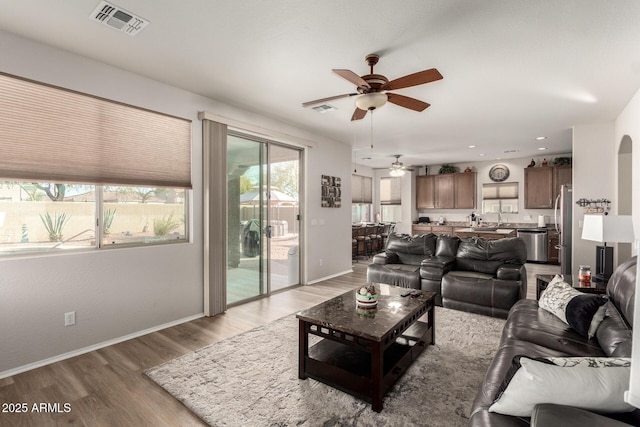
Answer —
371 129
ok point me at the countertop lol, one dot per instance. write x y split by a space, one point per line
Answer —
509 225
498 231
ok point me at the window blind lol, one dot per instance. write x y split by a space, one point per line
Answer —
52 134
390 191
500 191
361 189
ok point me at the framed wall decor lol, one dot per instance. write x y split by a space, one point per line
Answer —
331 191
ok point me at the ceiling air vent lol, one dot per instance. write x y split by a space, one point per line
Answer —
324 108
118 18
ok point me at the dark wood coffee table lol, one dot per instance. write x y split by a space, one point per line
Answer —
363 352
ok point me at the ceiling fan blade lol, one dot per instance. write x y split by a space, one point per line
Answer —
406 102
358 114
331 98
415 79
352 77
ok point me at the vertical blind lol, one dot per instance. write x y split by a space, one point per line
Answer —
361 189
390 191
58 135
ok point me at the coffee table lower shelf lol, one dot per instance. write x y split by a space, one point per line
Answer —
349 365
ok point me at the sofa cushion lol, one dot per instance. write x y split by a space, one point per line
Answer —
473 274
583 312
423 244
594 385
479 289
621 288
528 322
549 414
613 334
403 275
447 246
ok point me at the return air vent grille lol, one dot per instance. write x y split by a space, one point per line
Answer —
118 18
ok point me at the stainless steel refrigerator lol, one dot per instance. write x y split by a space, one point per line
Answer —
563 218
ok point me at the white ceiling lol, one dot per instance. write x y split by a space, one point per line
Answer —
513 69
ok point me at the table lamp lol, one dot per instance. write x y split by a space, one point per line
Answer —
606 228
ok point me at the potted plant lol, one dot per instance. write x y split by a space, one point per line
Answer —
447 168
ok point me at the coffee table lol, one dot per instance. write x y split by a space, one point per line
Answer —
363 352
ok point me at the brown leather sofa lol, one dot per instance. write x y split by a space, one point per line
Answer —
470 274
533 332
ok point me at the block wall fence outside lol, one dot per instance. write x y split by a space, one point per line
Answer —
129 218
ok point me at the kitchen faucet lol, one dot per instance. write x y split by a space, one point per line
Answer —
499 219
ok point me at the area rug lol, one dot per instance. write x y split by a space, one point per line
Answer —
252 379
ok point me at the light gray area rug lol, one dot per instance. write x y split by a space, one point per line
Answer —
252 379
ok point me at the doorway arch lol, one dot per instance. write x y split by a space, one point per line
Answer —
625 189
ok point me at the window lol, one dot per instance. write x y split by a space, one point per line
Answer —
135 165
500 198
391 199
361 198
41 217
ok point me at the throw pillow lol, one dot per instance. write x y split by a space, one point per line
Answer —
592 383
583 312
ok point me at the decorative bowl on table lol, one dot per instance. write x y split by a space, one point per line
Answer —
367 296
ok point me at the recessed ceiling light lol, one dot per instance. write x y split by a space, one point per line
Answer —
482 154
540 138
472 146
498 158
542 148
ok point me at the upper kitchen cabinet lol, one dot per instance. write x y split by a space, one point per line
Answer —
542 185
446 191
444 185
561 176
465 190
425 197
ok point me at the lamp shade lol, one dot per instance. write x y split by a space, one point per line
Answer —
371 101
608 228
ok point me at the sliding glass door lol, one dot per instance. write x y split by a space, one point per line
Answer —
262 217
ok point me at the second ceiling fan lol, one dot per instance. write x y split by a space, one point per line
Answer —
372 90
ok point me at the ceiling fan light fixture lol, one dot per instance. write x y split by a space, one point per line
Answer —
371 101
395 172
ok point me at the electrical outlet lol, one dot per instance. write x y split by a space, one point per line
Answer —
70 318
527 217
321 262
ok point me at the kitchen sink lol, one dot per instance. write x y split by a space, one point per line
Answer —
484 228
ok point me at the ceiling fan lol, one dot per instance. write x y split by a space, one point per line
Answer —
397 168
372 90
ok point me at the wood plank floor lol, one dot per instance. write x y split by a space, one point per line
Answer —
107 387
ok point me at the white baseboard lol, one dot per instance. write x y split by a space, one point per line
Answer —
329 277
98 346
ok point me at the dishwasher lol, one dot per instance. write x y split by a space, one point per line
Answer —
536 241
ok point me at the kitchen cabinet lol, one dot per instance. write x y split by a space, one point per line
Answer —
465 190
553 254
425 196
542 185
538 188
444 191
561 176
450 191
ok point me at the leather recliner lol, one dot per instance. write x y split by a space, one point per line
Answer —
471 274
